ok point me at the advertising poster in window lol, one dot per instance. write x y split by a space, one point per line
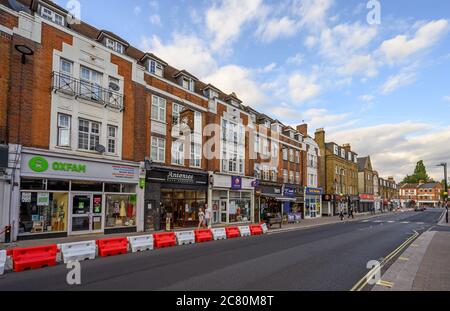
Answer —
43 199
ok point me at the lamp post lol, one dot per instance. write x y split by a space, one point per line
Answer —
444 165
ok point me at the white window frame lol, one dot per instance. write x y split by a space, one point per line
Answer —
336 150
285 154
92 84
158 148
158 112
176 113
177 152
51 15
285 176
64 128
291 155
297 156
114 45
112 139
90 134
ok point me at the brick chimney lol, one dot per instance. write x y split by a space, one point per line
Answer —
320 137
303 129
347 147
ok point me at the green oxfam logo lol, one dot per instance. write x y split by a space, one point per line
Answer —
38 164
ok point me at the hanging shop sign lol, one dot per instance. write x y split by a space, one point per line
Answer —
289 191
50 166
236 182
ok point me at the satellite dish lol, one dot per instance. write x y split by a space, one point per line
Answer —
100 148
113 86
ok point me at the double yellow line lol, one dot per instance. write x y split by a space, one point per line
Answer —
363 282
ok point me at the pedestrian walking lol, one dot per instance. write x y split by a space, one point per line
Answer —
201 218
350 212
341 214
208 217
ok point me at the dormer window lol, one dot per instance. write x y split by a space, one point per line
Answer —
277 128
292 134
336 150
187 83
52 16
266 123
155 68
114 45
343 153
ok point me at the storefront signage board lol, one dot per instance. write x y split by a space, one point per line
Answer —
313 191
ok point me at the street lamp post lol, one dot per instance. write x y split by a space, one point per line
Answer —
444 165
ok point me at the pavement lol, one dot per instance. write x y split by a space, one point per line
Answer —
329 257
423 266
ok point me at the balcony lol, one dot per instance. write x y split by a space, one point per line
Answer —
86 90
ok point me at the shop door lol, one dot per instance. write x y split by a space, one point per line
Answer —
223 211
87 214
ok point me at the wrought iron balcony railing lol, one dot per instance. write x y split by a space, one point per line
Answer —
87 90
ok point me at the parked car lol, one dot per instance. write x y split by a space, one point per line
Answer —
420 209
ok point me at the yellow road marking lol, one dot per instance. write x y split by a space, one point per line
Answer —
385 283
363 282
403 258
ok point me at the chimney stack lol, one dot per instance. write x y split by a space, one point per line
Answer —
303 129
347 147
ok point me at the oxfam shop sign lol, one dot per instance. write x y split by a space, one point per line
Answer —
41 165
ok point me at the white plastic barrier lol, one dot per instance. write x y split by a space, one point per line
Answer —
245 231
77 251
185 237
2 261
141 243
219 234
264 228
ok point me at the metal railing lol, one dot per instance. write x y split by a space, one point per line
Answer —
87 90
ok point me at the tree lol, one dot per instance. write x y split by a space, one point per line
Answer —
420 173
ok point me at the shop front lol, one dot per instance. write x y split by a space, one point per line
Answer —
327 205
341 203
232 199
173 198
313 203
366 203
268 197
293 203
65 196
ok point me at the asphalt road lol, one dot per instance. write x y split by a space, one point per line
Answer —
331 257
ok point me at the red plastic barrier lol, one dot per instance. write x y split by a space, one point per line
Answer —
112 246
256 230
232 232
161 240
34 257
204 235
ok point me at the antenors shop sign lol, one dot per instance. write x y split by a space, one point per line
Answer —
59 167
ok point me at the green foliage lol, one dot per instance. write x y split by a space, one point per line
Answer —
420 173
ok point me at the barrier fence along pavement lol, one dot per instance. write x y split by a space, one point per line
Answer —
244 231
21 259
2 261
219 234
78 251
141 243
185 237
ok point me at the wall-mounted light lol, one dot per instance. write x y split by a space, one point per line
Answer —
25 51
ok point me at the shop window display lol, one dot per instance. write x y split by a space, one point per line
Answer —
239 210
43 212
120 210
182 207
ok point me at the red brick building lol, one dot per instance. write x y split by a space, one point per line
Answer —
93 128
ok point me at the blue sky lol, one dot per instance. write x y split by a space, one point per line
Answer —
384 88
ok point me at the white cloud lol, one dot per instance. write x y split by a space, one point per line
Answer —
297 59
276 28
302 88
269 68
237 79
396 81
137 10
367 98
183 52
312 13
225 21
359 64
155 19
396 148
401 47
446 98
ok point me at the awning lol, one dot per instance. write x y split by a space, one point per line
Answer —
279 198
